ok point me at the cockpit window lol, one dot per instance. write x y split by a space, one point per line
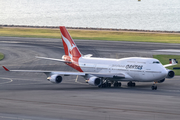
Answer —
156 62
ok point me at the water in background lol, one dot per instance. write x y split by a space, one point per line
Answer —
124 14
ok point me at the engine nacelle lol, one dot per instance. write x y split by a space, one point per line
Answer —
161 81
55 79
170 74
94 81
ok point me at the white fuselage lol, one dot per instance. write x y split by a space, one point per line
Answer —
134 68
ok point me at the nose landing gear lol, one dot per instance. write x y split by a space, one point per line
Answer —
154 87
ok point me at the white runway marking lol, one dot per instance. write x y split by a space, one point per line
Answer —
10 80
168 50
13 118
10 41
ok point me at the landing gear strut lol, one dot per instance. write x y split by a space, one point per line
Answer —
131 84
105 84
154 87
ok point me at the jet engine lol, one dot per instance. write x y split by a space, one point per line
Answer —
55 79
94 81
161 81
170 74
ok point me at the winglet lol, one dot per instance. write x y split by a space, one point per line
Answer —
5 68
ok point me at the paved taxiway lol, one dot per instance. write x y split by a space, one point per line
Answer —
29 96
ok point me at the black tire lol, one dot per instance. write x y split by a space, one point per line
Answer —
115 84
109 84
152 87
155 88
100 86
119 84
103 85
130 84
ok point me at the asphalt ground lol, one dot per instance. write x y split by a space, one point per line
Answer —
29 96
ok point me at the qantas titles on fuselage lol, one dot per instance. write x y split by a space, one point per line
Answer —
105 72
139 67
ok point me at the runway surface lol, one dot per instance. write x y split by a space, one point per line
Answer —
29 96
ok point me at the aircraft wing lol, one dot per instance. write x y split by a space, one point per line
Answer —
66 73
173 62
47 72
60 60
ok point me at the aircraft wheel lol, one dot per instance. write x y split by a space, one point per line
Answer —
109 84
154 87
119 84
116 84
104 85
133 84
100 86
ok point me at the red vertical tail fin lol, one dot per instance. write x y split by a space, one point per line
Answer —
70 47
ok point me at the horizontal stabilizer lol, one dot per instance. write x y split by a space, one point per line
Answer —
172 62
175 68
60 60
88 55
5 68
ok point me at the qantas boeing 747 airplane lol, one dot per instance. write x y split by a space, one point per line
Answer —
103 72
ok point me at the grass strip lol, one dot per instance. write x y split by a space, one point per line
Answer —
93 35
1 56
164 59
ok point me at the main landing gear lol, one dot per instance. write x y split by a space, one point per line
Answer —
131 84
107 84
117 84
154 87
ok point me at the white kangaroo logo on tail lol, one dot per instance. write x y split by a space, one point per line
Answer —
69 45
